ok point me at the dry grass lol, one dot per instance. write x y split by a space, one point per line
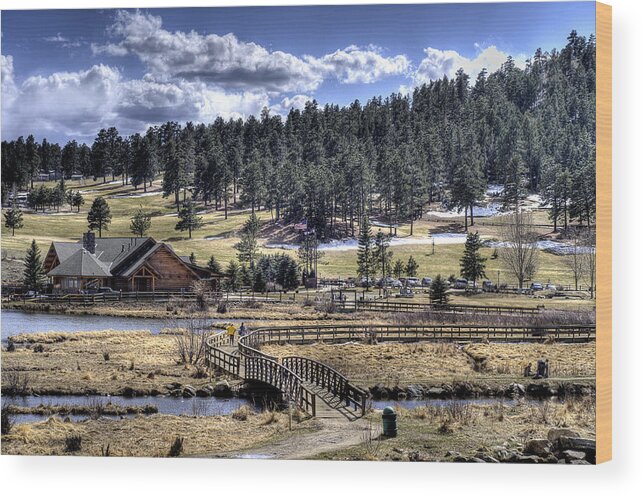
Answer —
144 436
73 363
565 360
430 363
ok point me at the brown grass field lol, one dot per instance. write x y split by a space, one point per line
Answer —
149 436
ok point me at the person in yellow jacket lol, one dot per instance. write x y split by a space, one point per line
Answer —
231 330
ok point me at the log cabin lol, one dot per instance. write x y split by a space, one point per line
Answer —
126 264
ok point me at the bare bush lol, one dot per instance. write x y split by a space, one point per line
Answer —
17 383
177 447
242 413
201 290
73 443
372 441
7 420
190 340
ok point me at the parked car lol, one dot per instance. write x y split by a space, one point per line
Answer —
487 285
536 286
427 281
397 283
551 287
412 281
460 284
386 281
405 292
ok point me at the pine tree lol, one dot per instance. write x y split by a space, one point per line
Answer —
13 219
439 289
472 265
188 219
248 246
99 216
233 275
77 200
214 265
382 254
34 273
398 268
411 268
140 223
366 256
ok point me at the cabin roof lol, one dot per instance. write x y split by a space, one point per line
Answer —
81 264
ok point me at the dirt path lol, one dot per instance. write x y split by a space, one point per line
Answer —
329 434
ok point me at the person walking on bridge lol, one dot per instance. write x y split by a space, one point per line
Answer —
231 330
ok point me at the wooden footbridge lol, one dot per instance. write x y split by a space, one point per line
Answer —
304 381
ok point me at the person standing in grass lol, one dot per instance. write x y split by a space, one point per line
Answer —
231 329
242 330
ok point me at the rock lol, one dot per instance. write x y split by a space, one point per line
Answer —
415 391
571 455
475 459
490 459
176 392
540 390
514 390
155 392
555 434
436 392
189 391
538 447
128 392
398 393
579 462
460 459
222 390
452 454
203 392
587 446
379 391
528 459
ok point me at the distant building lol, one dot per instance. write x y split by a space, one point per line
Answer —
127 264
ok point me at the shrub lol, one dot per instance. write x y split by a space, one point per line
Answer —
241 413
7 420
222 307
17 383
39 348
73 443
106 356
177 447
11 346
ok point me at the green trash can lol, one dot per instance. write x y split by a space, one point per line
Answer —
389 422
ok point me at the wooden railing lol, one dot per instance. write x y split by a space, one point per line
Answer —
405 306
285 380
217 358
342 333
329 379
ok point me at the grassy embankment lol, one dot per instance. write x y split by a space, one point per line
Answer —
151 435
69 226
105 362
393 364
430 433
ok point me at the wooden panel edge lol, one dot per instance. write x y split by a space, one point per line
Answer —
604 232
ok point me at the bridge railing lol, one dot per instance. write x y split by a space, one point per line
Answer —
288 382
343 333
409 307
216 357
328 379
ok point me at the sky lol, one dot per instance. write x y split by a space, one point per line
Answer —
68 73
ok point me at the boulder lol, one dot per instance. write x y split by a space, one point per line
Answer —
515 390
222 390
538 447
587 446
176 392
203 392
379 391
528 459
571 455
189 391
414 391
436 392
579 462
540 390
555 434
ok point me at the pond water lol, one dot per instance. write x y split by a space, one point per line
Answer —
17 322
167 405
414 403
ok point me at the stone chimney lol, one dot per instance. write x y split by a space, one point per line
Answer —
89 242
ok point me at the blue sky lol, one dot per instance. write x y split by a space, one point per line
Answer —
67 73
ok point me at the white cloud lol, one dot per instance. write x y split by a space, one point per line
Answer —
229 62
224 60
357 65
9 89
62 41
439 63
78 104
